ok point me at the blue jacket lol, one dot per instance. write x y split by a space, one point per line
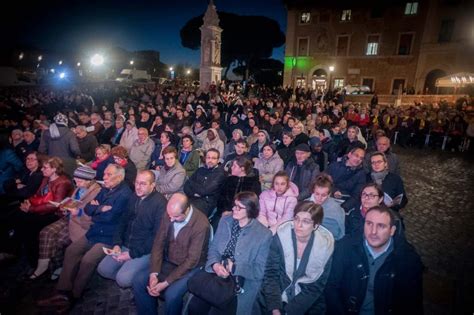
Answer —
10 164
347 180
105 224
397 286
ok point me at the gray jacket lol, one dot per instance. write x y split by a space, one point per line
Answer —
65 146
250 255
170 181
140 154
334 217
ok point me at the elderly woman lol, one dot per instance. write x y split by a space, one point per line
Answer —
277 204
239 249
298 265
392 186
102 160
257 147
299 135
37 212
120 156
56 236
170 177
129 136
268 164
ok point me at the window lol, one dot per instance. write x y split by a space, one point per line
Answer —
398 86
303 46
368 82
342 45
446 31
338 83
346 15
404 44
305 18
372 45
411 8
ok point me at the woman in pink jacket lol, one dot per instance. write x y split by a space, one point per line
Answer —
277 204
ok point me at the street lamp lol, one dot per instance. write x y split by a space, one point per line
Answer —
131 62
331 70
20 57
188 71
40 57
60 62
78 64
97 60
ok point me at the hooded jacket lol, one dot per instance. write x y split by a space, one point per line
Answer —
268 168
216 143
334 217
276 209
64 145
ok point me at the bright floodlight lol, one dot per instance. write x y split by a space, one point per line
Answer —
21 56
40 57
331 68
97 60
78 64
62 75
60 62
171 68
52 70
188 72
131 62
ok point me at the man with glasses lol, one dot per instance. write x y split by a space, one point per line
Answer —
376 272
179 250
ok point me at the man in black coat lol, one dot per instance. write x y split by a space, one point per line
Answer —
375 273
204 186
302 171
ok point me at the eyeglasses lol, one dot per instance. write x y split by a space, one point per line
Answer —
297 220
370 196
237 207
377 162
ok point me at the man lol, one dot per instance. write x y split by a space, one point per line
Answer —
383 145
107 134
348 177
136 232
317 154
286 149
328 145
179 250
141 150
334 215
87 143
241 148
375 273
302 171
204 186
275 129
83 255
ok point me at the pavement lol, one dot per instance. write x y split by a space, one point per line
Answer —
439 220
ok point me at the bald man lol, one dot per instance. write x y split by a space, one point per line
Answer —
179 249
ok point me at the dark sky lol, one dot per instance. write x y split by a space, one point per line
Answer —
134 25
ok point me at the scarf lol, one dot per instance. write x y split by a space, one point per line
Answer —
378 177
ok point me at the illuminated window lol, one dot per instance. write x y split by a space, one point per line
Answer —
411 8
305 18
346 15
372 45
338 83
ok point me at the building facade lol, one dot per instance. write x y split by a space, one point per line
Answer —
390 46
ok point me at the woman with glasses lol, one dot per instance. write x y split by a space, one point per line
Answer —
240 249
394 195
298 265
371 196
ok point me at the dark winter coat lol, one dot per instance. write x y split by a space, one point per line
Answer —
309 171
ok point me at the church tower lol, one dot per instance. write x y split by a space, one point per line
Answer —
211 69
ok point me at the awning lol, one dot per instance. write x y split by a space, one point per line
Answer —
456 80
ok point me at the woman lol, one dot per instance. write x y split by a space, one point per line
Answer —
170 177
129 136
188 157
37 212
242 178
349 142
157 159
370 196
286 149
120 156
102 160
277 204
27 183
392 186
298 265
239 249
268 165
298 133
262 139
253 137
56 236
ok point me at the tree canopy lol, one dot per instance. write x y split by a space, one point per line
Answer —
244 39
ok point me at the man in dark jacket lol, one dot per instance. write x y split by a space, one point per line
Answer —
204 186
376 273
136 232
87 143
302 171
83 255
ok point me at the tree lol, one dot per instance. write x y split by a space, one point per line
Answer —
244 39
263 71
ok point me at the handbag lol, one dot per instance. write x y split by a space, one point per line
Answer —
213 289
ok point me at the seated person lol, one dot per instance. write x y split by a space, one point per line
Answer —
170 177
136 232
178 251
120 157
102 160
268 164
277 204
204 186
371 196
241 148
302 171
56 236
189 157
290 289
83 255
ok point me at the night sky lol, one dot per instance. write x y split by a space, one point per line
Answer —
87 26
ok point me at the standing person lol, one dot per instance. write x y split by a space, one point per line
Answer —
136 232
298 264
178 251
375 272
278 202
241 243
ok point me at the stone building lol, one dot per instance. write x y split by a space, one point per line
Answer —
385 45
210 70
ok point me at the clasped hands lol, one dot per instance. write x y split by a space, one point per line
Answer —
103 208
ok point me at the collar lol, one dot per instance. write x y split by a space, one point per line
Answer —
374 254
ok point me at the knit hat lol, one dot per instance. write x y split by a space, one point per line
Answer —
84 172
302 147
60 119
314 141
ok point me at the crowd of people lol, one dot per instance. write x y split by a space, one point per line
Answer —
295 202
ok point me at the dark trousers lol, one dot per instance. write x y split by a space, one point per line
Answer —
198 306
80 260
